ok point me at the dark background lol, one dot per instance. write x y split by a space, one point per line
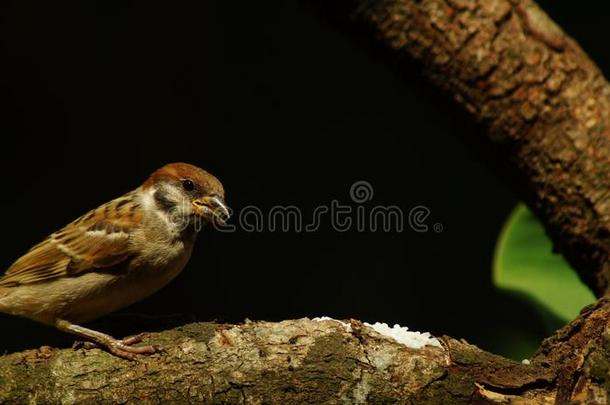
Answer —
285 108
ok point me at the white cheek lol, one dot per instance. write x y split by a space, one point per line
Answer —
148 200
175 219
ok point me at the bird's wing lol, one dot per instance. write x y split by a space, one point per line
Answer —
98 240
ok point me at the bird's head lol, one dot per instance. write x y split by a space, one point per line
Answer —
185 192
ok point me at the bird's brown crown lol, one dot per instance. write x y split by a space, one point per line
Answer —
182 171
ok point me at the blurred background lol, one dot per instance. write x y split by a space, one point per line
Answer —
286 108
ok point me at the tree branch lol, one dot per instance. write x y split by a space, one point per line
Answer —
308 361
259 362
543 103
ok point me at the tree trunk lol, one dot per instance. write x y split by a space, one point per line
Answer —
545 108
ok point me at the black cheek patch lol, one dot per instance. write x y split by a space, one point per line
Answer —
162 201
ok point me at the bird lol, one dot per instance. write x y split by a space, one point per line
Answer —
115 255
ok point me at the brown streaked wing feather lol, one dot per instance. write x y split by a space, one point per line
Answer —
97 240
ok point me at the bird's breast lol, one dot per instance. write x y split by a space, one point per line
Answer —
144 276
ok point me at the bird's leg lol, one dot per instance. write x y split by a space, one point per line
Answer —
120 348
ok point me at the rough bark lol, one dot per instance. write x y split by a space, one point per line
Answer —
305 361
290 362
543 104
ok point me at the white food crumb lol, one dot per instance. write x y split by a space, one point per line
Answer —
525 361
401 334
347 326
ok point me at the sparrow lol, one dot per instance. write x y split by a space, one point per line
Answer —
115 255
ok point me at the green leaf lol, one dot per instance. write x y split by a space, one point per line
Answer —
524 264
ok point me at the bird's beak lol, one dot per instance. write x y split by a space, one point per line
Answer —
212 208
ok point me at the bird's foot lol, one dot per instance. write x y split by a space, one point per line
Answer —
132 340
124 349
121 348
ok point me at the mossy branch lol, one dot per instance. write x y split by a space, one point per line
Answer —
288 362
306 361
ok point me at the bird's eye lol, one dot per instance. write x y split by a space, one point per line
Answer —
188 185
